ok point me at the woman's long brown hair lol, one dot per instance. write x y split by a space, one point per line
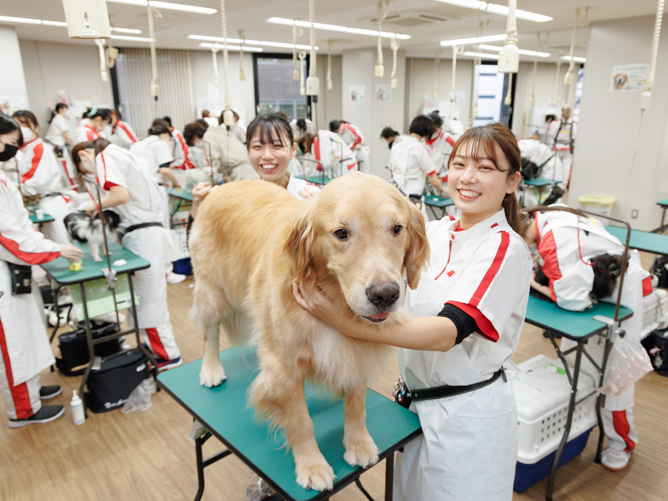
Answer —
482 141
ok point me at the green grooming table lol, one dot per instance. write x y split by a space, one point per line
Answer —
664 205
180 194
539 182
225 413
320 180
90 275
642 240
45 219
579 326
435 202
183 201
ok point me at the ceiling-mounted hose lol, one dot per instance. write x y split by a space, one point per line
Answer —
379 69
154 60
329 64
556 83
437 61
509 57
455 49
242 36
103 60
295 64
312 82
394 45
228 116
214 54
569 77
532 99
302 86
646 94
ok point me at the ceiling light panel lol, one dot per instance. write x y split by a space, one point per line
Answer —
334 27
474 40
481 55
20 20
131 39
501 10
576 59
231 47
251 42
522 51
168 6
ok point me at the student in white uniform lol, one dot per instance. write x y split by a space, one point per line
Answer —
301 127
440 144
334 155
93 125
41 175
352 135
469 308
391 136
130 188
580 260
237 130
410 162
58 135
561 134
211 121
178 146
121 132
193 133
24 342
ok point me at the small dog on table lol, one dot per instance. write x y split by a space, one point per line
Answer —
89 230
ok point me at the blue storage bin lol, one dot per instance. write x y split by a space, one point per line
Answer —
183 266
527 475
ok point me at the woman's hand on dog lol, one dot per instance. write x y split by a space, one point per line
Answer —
69 251
199 193
312 299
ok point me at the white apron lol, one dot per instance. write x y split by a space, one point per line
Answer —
469 447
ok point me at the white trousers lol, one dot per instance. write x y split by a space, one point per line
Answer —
21 401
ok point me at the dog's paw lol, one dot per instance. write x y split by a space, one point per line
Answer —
97 259
318 476
211 376
362 454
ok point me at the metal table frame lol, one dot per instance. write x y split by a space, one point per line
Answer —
664 205
607 329
435 202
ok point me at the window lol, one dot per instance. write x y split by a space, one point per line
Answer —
275 89
491 88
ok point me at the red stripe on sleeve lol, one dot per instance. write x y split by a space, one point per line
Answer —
109 185
647 288
36 158
127 131
358 139
492 271
431 173
548 251
30 258
186 164
19 393
450 141
485 327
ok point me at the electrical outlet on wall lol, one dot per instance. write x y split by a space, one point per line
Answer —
634 214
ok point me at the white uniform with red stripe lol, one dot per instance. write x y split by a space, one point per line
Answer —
441 146
298 133
336 156
566 244
42 175
156 152
560 134
24 342
352 135
180 151
410 164
122 135
469 446
116 166
295 185
86 133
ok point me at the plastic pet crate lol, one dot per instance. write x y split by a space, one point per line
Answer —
543 391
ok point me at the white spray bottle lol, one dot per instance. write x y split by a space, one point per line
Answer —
78 415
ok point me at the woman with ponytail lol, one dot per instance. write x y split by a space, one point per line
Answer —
468 310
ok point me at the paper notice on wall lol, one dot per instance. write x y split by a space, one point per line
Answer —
10 104
629 77
356 93
383 93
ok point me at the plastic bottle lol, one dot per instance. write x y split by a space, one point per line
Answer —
78 415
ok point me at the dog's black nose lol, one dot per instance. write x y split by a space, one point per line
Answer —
383 295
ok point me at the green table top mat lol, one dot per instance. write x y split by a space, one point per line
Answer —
571 324
663 202
317 179
225 412
437 201
45 219
539 182
59 269
641 240
181 194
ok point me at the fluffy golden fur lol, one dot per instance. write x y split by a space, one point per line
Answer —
250 242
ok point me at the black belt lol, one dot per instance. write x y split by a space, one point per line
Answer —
404 395
134 227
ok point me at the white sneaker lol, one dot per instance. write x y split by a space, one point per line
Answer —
615 460
174 278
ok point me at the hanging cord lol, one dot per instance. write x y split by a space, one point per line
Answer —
394 45
330 43
295 69
228 116
437 61
381 14
509 98
152 11
569 77
312 71
509 56
103 62
532 99
649 83
214 54
302 87
455 49
556 83
476 62
242 36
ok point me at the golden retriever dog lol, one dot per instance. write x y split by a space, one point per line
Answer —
361 241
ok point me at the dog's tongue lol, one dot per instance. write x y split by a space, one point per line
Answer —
380 316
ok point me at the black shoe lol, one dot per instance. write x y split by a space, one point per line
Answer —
47 392
44 415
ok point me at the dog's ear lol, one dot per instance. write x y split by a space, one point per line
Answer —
417 254
299 245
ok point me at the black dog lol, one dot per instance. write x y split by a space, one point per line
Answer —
88 230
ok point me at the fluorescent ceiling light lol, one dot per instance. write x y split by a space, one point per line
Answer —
481 55
231 47
125 30
61 24
575 58
168 6
474 40
21 20
334 27
251 42
501 10
131 39
522 51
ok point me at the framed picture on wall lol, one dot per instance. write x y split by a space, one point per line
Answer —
356 93
384 93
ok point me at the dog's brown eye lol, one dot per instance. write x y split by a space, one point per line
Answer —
397 229
341 234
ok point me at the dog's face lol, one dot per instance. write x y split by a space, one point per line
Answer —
363 236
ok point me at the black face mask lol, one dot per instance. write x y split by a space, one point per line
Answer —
389 144
9 153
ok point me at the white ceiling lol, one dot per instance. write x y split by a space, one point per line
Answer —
250 15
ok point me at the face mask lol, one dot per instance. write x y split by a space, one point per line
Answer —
89 166
9 153
28 134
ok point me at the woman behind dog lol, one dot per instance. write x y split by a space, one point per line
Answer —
130 187
469 309
581 261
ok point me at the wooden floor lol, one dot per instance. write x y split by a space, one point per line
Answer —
147 455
